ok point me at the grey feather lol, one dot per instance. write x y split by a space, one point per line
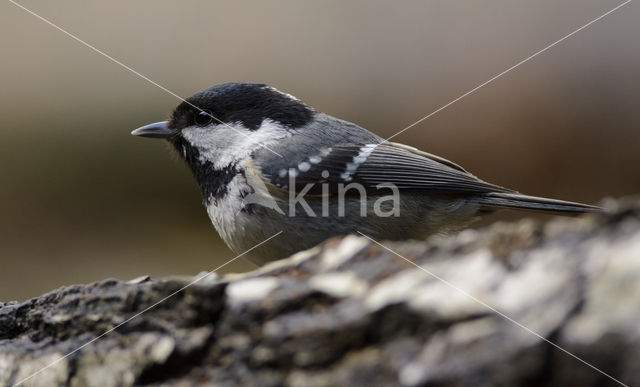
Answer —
533 203
387 163
407 168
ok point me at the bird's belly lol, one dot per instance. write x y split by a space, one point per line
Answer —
243 228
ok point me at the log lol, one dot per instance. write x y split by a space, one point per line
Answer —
523 304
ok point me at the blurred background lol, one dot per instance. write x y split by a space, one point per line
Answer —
81 200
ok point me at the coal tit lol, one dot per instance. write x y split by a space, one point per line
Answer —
266 162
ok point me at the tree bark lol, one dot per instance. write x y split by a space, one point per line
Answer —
521 303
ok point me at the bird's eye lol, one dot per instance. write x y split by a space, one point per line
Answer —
203 118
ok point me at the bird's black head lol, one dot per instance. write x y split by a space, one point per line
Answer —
246 103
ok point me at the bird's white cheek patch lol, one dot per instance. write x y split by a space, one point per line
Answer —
223 145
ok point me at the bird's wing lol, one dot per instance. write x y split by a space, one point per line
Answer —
371 165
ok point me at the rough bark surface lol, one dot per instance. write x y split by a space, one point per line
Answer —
477 311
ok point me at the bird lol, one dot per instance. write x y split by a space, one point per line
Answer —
267 163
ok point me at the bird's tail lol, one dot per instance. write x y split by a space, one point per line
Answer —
518 201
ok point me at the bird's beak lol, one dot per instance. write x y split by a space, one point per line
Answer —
155 130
